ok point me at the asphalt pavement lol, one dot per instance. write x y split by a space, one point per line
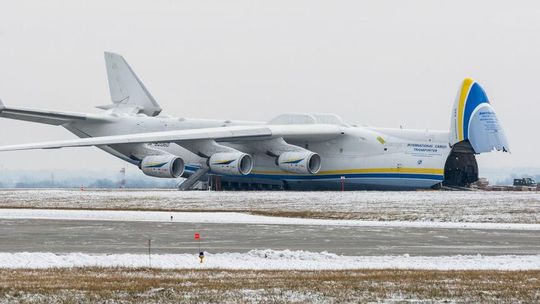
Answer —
63 236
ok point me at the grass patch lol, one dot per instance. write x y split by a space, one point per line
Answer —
80 285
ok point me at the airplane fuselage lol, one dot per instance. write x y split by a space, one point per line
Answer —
363 158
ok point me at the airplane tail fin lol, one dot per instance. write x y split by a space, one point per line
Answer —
127 91
474 122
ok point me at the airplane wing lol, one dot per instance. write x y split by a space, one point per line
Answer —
43 116
234 133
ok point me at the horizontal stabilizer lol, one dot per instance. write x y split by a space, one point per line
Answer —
56 118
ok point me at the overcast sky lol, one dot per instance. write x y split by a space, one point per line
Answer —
383 63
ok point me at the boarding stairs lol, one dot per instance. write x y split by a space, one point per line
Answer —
193 179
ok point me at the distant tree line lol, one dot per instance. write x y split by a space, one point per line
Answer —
97 183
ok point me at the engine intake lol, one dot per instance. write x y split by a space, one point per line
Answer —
300 162
231 163
164 166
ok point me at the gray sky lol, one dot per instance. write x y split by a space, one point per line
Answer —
383 63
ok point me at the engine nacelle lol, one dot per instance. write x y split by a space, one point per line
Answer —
300 162
164 166
231 163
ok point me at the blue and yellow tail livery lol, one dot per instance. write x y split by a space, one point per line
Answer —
474 120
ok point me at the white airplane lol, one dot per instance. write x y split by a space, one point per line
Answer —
292 151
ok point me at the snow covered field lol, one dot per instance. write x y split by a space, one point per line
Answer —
238 218
269 260
439 206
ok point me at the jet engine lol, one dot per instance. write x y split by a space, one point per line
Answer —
231 163
165 166
300 162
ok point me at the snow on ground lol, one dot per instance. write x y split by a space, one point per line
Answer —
270 260
441 206
237 218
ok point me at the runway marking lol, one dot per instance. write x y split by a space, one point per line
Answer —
238 218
